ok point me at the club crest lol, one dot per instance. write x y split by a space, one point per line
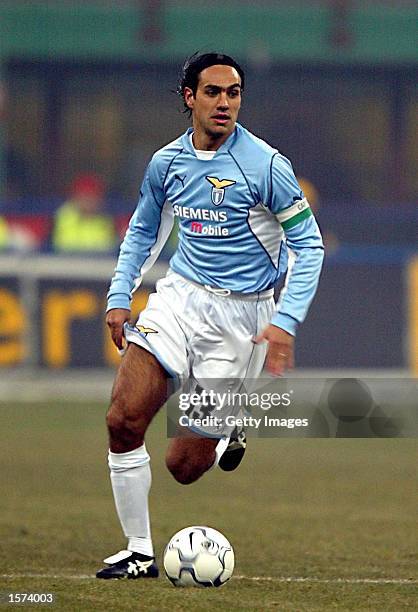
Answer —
218 188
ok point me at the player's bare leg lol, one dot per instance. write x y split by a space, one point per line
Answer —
189 456
139 391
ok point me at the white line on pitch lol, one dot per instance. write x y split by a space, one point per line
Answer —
328 580
49 576
282 579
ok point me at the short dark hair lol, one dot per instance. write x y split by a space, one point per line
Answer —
194 65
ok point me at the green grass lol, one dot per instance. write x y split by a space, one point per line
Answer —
316 508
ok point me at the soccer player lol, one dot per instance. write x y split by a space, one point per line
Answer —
243 220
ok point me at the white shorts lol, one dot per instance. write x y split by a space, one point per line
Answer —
197 333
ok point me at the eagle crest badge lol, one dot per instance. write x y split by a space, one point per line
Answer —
218 188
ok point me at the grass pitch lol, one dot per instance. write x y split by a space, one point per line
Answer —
335 517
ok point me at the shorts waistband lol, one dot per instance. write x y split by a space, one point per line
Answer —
235 295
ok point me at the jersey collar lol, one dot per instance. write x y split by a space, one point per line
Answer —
222 149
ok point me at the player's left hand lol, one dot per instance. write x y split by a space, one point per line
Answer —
280 352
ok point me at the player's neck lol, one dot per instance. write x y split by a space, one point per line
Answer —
206 142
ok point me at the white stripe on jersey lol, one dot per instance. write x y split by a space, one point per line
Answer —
267 230
166 225
291 255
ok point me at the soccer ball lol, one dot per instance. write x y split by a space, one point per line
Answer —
198 556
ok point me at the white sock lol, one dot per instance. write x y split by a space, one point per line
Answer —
220 448
130 474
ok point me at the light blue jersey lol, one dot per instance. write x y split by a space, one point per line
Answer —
243 220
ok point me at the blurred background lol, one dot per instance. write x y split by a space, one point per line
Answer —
86 97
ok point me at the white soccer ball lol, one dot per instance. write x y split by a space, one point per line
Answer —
200 557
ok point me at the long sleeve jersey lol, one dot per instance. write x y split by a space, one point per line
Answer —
243 222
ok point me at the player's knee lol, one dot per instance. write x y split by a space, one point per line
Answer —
187 469
115 421
182 473
123 429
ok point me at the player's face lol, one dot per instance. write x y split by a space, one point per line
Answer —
217 102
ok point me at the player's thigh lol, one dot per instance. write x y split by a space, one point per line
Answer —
141 387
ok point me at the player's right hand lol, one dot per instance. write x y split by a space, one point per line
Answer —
115 320
280 352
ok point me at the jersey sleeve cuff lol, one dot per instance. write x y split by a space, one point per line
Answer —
285 322
118 300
